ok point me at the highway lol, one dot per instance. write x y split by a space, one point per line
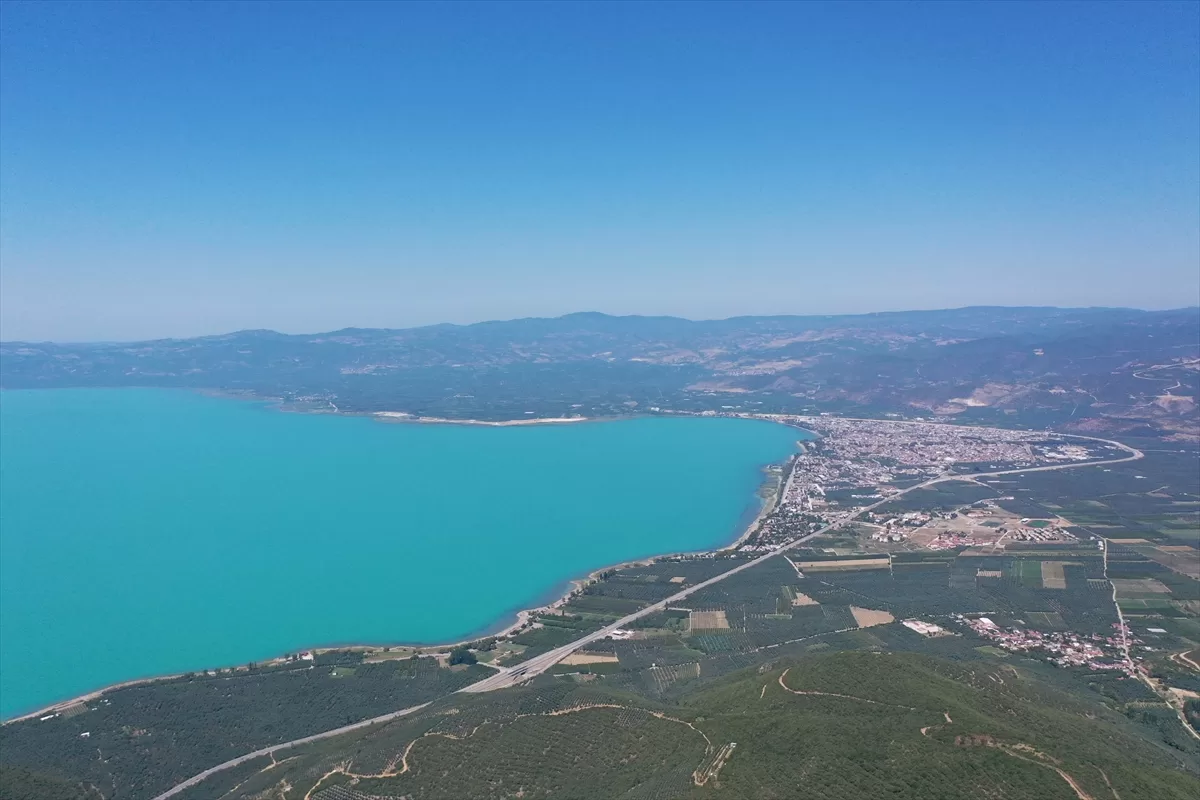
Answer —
539 664
275 748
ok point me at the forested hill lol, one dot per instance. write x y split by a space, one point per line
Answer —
1114 370
825 726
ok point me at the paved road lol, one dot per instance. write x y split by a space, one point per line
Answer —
266 751
539 664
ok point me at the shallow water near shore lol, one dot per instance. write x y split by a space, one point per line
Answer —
145 532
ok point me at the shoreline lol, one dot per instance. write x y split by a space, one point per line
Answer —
404 416
768 504
282 405
523 616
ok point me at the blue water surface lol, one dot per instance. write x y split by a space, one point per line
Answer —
146 531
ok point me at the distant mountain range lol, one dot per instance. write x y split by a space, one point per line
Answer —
1098 369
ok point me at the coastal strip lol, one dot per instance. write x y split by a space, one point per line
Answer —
779 491
55 708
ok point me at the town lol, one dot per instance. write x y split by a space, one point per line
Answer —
857 463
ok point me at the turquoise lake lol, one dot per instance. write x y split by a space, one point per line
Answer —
145 531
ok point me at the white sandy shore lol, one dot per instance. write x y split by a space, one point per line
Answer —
403 416
84 698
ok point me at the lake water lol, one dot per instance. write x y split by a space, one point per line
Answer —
149 531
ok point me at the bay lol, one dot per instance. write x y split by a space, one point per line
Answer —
146 532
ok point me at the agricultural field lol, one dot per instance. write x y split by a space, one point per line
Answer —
1148 589
1136 587
1027 571
1045 620
869 617
794 604
819 565
1135 607
1155 500
1183 559
707 621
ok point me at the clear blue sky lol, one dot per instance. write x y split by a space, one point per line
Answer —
178 169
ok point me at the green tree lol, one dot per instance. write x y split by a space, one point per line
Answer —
462 655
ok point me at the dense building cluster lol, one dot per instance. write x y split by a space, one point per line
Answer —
1063 648
857 463
912 444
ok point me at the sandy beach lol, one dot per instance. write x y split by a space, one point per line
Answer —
403 416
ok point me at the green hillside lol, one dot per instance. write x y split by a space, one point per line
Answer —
18 783
839 725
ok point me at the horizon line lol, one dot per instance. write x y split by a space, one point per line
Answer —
606 315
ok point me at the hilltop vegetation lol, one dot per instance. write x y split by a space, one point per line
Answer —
18 783
1087 369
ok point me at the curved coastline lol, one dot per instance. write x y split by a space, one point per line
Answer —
404 416
508 622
